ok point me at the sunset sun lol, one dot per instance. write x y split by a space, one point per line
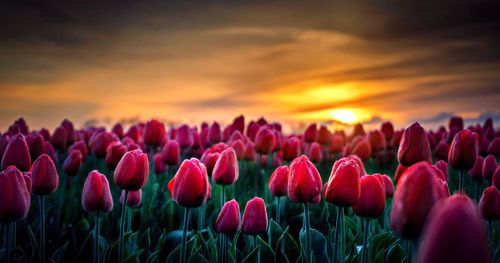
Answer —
344 116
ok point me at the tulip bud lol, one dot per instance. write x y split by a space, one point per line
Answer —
315 152
489 205
228 221
50 151
132 171
377 141
494 147
239 124
171 153
252 130
324 135
399 173
371 201
250 154
17 153
159 165
417 191
190 187
239 148
44 176
96 196
264 140
133 133
98 143
118 130
360 147
226 168
278 182
463 150
351 159
454 233
496 178
343 187
304 181
72 164
414 146
388 130
14 195
134 198
311 133
337 144
80 146
476 172
443 167
70 131
59 138
441 150
489 167
291 149
456 122
36 144
114 154
209 159
387 183
214 133
184 137
358 130
254 220
154 133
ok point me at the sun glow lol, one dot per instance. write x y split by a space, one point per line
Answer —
344 116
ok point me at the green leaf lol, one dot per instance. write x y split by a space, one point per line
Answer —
252 256
396 253
274 232
318 244
58 255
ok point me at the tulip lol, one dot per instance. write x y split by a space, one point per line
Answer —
311 133
476 172
262 121
388 130
304 181
315 152
98 143
228 221
184 136
236 135
343 186
489 205
264 140
134 198
80 146
456 122
387 183
17 153
4 141
496 178
209 159
278 186
159 165
494 147
131 173
324 135
226 170
441 150
254 220
154 133
399 173
396 138
239 148
337 144
414 146
133 133
118 130
443 167
50 151
291 149
417 191
36 144
377 141
463 152
250 154
360 147
171 153
214 133
72 164
454 233
239 124
114 154
14 195
489 167
252 130
59 138
22 126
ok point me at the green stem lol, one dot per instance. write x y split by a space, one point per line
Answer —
7 242
184 234
201 217
255 246
122 227
222 197
308 233
364 255
13 236
460 181
42 228
96 239
278 212
339 238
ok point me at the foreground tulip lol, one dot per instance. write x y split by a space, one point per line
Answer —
254 220
343 186
304 181
278 186
463 152
131 173
96 198
72 164
226 170
17 153
489 205
454 233
154 133
417 191
414 146
228 221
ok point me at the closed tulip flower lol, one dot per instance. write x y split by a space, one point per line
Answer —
14 195
254 220
114 154
476 172
17 153
463 150
443 167
132 171
371 201
36 144
350 159
454 233
118 130
311 133
264 140
209 159
456 122
59 138
304 181
414 146
184 136
226 168
417 191
360 147
324 135
72 164
214 133
489 204
291 149
343 186
190 186
399 173
96 196
250 154
228 221
278 182
99 142
494 147
337 144
134 198
441 150
50 151
388 130
159 165
80 146
387 183
171 153
154 133
252 130
377 141
44 176
239 149
315 152
496 178
239 124
489 167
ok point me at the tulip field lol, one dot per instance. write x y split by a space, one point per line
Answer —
246 191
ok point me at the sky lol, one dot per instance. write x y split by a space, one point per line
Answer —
290 61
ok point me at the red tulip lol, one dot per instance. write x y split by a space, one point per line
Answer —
96 196
228 221
343 186
387 183
214 133
159 165
358 130
133 133
417 191
396 138
27 179
463 150
45 133
476 172
50 151
239 148
315 152
377 141
456 122
14 195
324 135
17 153
190 186
118 130
291 149
134 198
59 138
171 152
114 154
254 220
80 146
44 176
350 159
264 140
239 124
23 127
250 154
441 150
496 178
36 144
489 205
4 141
70 131
278 182
443 167
252 130
235 136
72 164
311 133
154 133
494 147
337 144
184 137
399 173
489 167
371 201
226 169
360 147
388 130
304 181
98 143
132 171
414 146
454 233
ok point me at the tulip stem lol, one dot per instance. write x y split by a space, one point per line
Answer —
96 238
7 241
364 255
42 228
184 234
278 212
222 196
308 233
122 227
255 246
201 216
338 249
460 181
